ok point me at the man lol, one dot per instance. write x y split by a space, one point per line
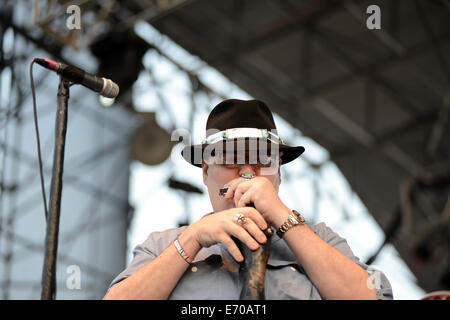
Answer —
242 155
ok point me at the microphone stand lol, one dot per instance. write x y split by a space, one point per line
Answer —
252 270
51 238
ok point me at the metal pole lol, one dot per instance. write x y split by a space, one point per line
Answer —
51 238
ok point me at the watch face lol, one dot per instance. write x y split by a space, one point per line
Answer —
293 219
299 216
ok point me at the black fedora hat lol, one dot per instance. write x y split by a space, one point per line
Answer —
232 120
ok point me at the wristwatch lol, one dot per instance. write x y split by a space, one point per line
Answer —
294 219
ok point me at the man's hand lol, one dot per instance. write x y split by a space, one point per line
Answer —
261 192
219 227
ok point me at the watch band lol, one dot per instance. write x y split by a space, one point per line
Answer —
294 219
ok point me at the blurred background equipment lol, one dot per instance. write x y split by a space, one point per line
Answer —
377 100
150 144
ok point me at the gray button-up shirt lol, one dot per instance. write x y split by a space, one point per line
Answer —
214 273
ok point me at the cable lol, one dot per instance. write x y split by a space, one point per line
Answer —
36 125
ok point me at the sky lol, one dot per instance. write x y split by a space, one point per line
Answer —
321 195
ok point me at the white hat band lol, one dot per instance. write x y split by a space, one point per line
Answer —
236 133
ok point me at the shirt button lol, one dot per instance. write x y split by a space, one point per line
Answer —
293 269
194 269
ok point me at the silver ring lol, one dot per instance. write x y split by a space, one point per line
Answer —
240 218
247 176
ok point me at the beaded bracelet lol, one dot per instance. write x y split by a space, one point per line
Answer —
181 251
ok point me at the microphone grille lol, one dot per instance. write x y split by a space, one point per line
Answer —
110 89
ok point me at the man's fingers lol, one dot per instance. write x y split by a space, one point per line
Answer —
253 214
232 247
233 186
243 235
254 230
241 190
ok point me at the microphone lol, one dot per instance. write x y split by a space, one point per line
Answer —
103 86
252 270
